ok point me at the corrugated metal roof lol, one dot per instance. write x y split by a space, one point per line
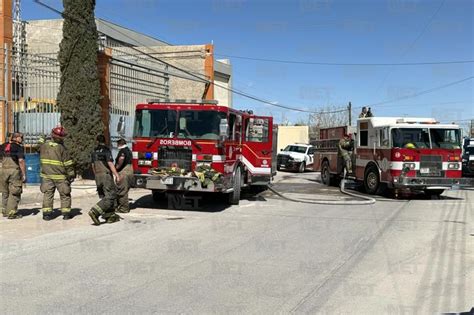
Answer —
126 35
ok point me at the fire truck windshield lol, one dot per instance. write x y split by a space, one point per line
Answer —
160 123
420 138
163 123
445 138
200 124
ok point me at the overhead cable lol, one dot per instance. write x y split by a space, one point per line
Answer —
348 64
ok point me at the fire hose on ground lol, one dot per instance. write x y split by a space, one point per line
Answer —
366 200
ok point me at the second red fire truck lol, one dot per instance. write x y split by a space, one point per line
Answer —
200 146
415 154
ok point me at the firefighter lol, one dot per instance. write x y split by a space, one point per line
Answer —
104 171
366 112
369 113
12 175
363 114
343 149
123 165
57 172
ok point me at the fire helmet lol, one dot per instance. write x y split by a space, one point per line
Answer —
58 132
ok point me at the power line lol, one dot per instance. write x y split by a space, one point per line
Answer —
347 64
252 97
256 98
413 43
421 93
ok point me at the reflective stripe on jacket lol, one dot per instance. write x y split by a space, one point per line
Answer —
56 163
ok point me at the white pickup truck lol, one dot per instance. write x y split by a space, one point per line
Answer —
297 157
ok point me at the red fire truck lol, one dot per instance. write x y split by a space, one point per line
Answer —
414 154
185 136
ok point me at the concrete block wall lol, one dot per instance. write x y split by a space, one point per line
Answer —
292 134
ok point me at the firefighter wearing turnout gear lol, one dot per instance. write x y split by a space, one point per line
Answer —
343 149
123 165
104 171
12 175
57 172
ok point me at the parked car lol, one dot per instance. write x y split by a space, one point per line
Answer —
296 157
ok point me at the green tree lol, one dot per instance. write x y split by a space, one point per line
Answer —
79 93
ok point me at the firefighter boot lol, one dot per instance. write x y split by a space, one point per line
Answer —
114 218
94 216
14 215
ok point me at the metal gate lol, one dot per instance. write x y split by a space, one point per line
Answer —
133 80
36 81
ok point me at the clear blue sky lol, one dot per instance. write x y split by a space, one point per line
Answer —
370 31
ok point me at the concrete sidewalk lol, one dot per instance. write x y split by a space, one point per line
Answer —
80 188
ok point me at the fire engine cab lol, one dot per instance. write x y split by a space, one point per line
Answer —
178 143
415 154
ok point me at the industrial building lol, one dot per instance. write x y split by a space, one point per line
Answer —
130 71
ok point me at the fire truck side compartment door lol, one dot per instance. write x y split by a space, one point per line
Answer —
257 146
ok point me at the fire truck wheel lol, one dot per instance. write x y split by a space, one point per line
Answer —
302 167
234 196
325 174
372 180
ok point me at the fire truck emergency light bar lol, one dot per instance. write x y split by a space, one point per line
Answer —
417 121
180 101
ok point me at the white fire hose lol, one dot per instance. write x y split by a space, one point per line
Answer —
365 199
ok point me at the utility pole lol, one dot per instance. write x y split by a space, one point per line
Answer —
349 108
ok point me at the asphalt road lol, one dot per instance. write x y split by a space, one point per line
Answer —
266 255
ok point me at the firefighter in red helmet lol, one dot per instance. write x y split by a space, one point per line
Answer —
57 172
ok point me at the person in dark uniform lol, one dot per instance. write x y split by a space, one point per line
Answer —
105 172
12 175
369 113
123 165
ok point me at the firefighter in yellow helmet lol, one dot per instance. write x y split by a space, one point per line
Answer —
410 145
57 172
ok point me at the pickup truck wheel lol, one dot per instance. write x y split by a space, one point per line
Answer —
302 167
278 168
325 174
234 196
372 180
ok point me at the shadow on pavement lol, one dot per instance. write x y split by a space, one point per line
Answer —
27 212
56 213
202 202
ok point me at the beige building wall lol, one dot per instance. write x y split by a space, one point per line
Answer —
292 134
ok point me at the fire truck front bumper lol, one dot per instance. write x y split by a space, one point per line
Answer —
176 183
422 183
